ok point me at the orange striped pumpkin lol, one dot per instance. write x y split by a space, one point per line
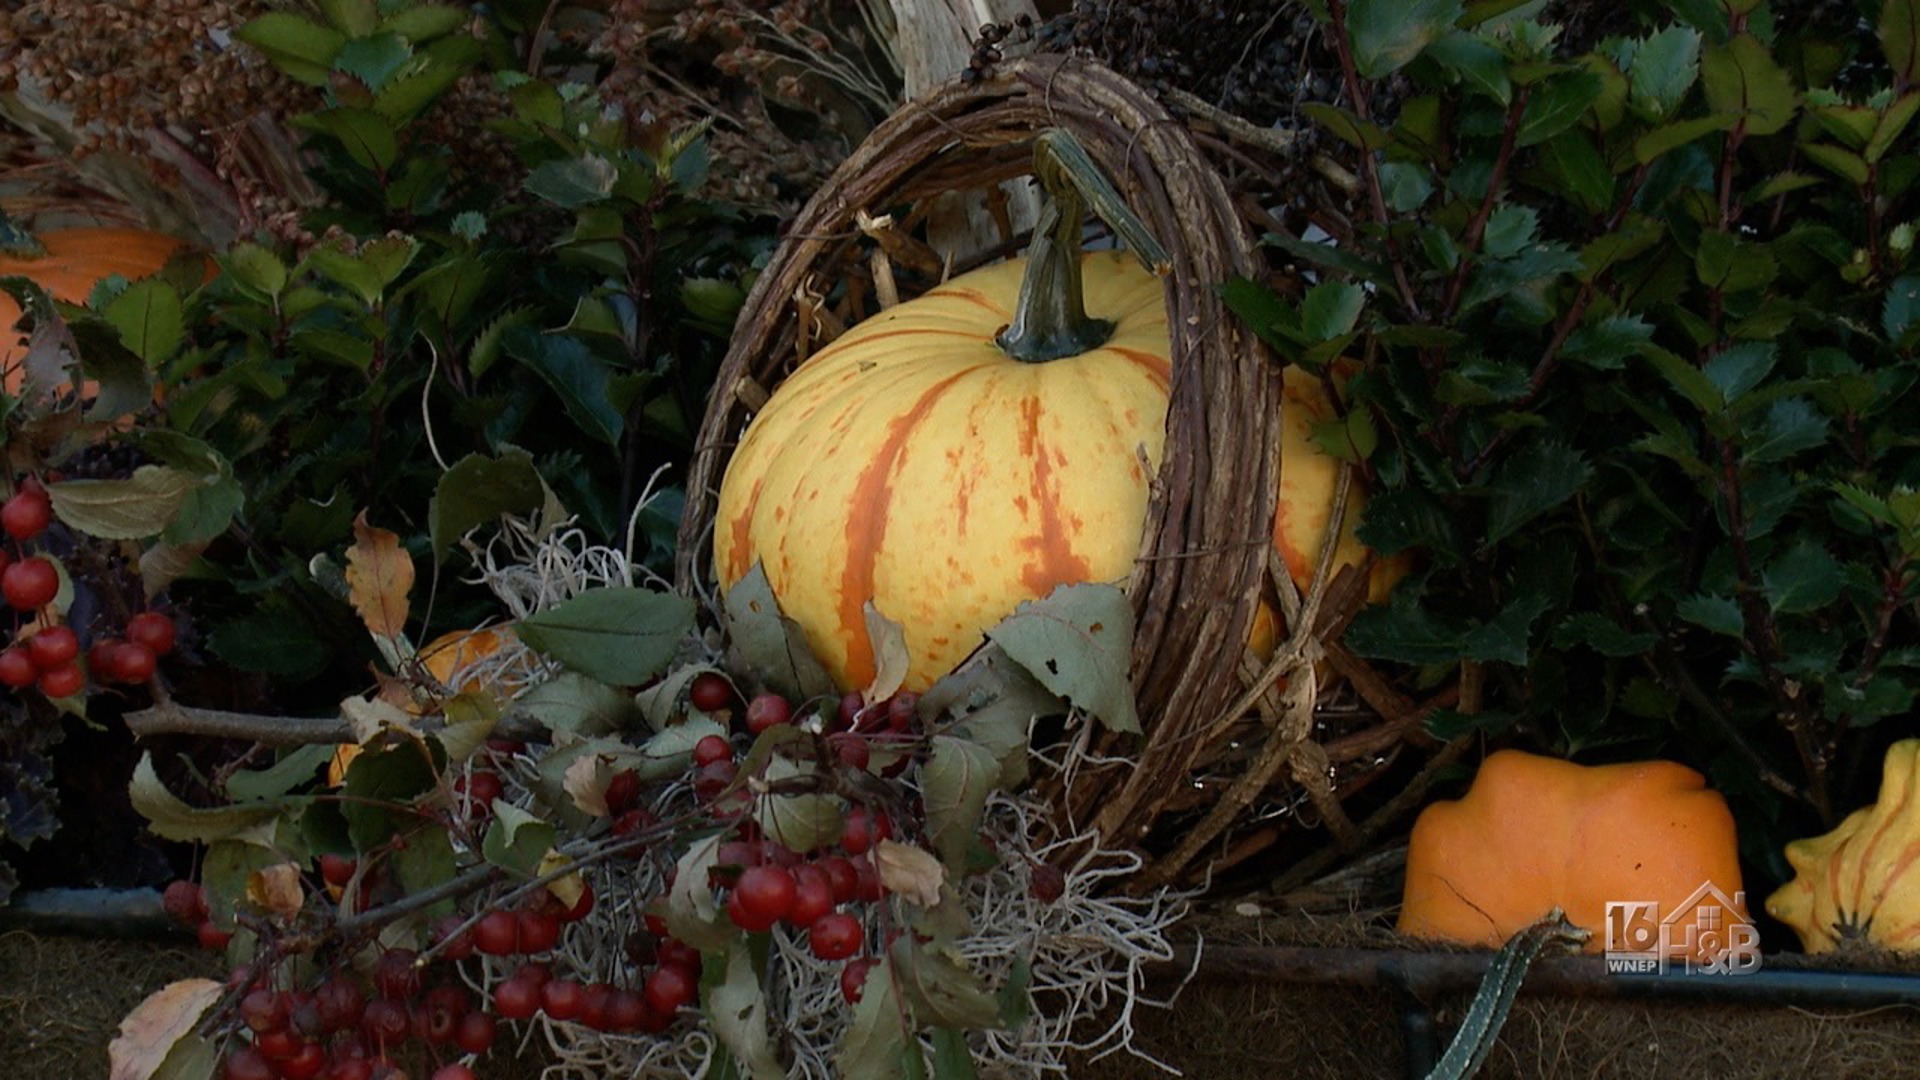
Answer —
914 464
1859 885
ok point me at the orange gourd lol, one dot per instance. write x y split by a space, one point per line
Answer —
1535 833
75 260
1859 885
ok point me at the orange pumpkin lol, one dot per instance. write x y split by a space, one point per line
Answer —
75 260
1859 885
1535 833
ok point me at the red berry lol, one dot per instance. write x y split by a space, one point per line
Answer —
582 907
184 903
562 999
304 1063
1046 882
626 1010
768 711
17 669
27 514
595 1000
130 662
539 931
868 888
446 1005
453 1071
812 896
715 778
861 832
851 748
30 584
497 933
622 792
710 749
454 942
351 1069
152 629
264 1010
56 646
901 710
842 876
634 821
395 975
835 936
246 1063
212 938
676 953
474 792
517 999
851 704
669 987
340 1003
765 894
710 692
278 1044
853 978
475 1033
337 870
63 681
386 1022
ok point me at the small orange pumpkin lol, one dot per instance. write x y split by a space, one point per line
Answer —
75 260
1859 885
1535 833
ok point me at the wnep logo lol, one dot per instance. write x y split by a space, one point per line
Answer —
1707 932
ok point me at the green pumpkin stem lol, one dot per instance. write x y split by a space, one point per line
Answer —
1050 320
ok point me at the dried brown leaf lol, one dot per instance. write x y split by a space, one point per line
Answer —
150 1030
277 890
379 577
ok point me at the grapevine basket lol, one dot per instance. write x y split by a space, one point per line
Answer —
1218 747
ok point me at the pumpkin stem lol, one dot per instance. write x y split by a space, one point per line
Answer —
1050 320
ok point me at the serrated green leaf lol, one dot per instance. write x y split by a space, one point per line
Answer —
1804 578
1479 66
1078 642
1602 635
1556 105
1578 170
516 840
1608 343
1716 613
134 508
622 636
1692 383
1405 185
1893 123
1330 309
301 48
477 490
366 136
426 80
1503 639
373 60
1899 32
1663 70
1742 78
571 183
1669 137
580 379
171 819
1737 370
423 22
1510 229
1530 484
1787 428
255 268
1901 310
1388 34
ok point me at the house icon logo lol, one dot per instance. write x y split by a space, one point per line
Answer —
1707 933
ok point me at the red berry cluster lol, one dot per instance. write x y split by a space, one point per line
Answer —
336 1031
186 904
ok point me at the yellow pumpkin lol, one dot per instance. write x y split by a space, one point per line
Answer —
1536 833
915 464
1859 885
75 260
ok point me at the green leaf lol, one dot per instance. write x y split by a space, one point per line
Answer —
737 1008
1901 311
1668 137
134 508
1510 229
366 136
802 822
354 18
1503 639
573 704
1606 344
1730 264
1804 578
952 1059
270 642
1479 66
426 80
767 643
1692 383
1716 613
423 22
1078 642
623 636
1578 170
1330 309
876 1043
939 987
297 46
580 379
1388 34
571 183
1843 163
1409 519
478 490
1785 429
1502 280
256 269
192 1057
1602 635
172 819
692 914
1405 632
992 703
1530 484
1893 123
1556 105
1741 78
425 862
379 777
958 778
149 320
373 60
516 841
297 767
1899 30
1739 369
1664 69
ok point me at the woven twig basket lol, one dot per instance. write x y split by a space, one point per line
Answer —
1205 553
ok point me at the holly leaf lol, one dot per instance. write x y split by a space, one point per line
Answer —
1806 577
1602 635
1741 77
1716 613
958 778
477 490
1664 69
1388 34
1528 485
1785 429
762 640
171 819
379 577
1078 642
737 1008
1899 30
149 1034
624 636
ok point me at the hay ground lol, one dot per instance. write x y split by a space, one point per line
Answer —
62 998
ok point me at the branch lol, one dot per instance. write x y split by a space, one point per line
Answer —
167 718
